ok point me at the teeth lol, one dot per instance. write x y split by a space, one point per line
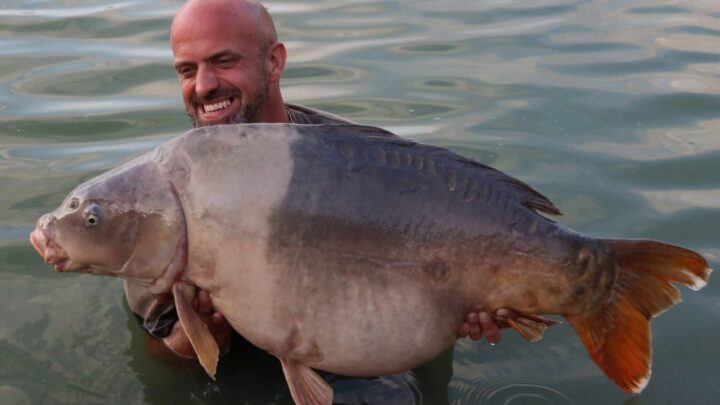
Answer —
216 106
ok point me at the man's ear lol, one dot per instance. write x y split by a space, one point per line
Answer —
275 60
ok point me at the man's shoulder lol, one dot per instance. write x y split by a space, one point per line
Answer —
306 115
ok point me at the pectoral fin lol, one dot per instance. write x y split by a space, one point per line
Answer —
531 327
306 386
200 337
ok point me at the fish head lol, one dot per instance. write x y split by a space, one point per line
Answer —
126 223
84 234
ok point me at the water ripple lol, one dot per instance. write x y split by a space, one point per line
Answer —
610 108
507 391
63 12
109 49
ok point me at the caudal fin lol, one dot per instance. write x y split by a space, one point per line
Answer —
618 336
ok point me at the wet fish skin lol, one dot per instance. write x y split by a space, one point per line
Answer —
348 249
371 238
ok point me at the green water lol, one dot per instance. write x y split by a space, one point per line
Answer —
610 108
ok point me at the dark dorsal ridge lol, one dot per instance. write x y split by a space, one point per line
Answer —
396 151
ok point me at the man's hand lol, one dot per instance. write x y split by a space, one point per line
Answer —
478 323
178 342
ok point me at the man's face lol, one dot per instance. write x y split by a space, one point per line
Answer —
220 64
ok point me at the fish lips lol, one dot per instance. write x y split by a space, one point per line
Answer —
51 252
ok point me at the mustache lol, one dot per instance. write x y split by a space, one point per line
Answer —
222 92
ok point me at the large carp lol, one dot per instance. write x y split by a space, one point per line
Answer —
348 249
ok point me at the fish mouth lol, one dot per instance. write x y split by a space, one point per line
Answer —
51 252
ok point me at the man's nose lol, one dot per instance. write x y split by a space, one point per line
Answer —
205 81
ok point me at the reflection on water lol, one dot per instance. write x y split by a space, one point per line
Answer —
667 202
611 109
508 391
665 142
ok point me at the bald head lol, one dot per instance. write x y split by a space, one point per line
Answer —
249 14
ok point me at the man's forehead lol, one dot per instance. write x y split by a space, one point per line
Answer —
202 40
213 21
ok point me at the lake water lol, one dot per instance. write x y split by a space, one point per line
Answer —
610 108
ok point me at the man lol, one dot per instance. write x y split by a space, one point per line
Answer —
229 63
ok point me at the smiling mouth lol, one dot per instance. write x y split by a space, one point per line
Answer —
221 105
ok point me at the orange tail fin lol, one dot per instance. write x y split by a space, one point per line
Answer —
618 335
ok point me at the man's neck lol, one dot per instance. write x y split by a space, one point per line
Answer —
274 111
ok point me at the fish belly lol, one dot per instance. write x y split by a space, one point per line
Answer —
351 321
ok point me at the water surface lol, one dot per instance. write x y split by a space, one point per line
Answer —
610 108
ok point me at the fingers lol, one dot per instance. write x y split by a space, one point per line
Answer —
476 330
218 318
204 303
205 308
470 327
503 314
507 313
476 324
463 330
489 327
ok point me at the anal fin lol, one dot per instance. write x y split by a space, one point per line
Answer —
531 327
306 386
200 337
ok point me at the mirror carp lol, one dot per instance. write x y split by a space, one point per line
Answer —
348 249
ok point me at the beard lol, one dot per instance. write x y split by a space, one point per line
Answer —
247 113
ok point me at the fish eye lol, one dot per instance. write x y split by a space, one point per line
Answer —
92 215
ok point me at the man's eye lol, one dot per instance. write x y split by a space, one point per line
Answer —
225 62
184 71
